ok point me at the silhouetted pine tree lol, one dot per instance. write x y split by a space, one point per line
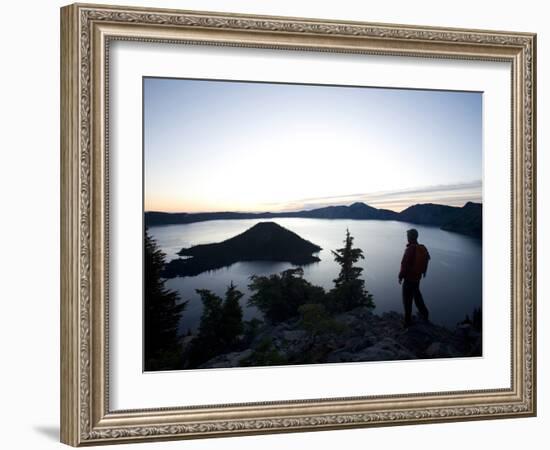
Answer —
207 343
220 325
162 313
349 290
232 324
477 319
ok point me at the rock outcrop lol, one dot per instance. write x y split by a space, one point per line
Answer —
363 336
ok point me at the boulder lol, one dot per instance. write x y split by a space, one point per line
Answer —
357 343
294 335
226 360
440 350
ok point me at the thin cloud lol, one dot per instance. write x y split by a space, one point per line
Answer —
450 194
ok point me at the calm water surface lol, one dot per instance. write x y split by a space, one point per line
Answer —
451 289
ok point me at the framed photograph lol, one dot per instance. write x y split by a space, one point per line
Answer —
276 224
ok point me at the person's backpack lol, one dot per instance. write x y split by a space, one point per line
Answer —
421 258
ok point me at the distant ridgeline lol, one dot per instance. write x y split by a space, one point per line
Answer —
265 241
466 220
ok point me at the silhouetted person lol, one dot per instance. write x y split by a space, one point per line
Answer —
413 267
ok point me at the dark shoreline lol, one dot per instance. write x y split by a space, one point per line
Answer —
466 220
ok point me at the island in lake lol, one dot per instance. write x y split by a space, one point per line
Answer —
265 241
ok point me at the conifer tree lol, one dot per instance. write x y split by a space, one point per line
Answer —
162 312
220 325
347 257
232 324
349 290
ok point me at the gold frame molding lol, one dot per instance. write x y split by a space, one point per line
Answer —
86 31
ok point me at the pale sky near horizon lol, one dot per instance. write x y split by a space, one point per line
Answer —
241 146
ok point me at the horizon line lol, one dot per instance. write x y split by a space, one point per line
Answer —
307 210
454 194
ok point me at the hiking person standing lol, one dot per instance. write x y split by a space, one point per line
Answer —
414 265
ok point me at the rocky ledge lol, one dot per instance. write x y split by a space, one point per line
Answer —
360 335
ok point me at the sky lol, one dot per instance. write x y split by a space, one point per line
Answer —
251 147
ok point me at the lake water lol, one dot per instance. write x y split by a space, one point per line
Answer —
451 289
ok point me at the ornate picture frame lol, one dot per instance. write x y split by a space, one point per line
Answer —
87 31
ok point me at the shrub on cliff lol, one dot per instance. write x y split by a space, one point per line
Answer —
279 296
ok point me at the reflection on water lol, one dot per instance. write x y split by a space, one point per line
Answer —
452 288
